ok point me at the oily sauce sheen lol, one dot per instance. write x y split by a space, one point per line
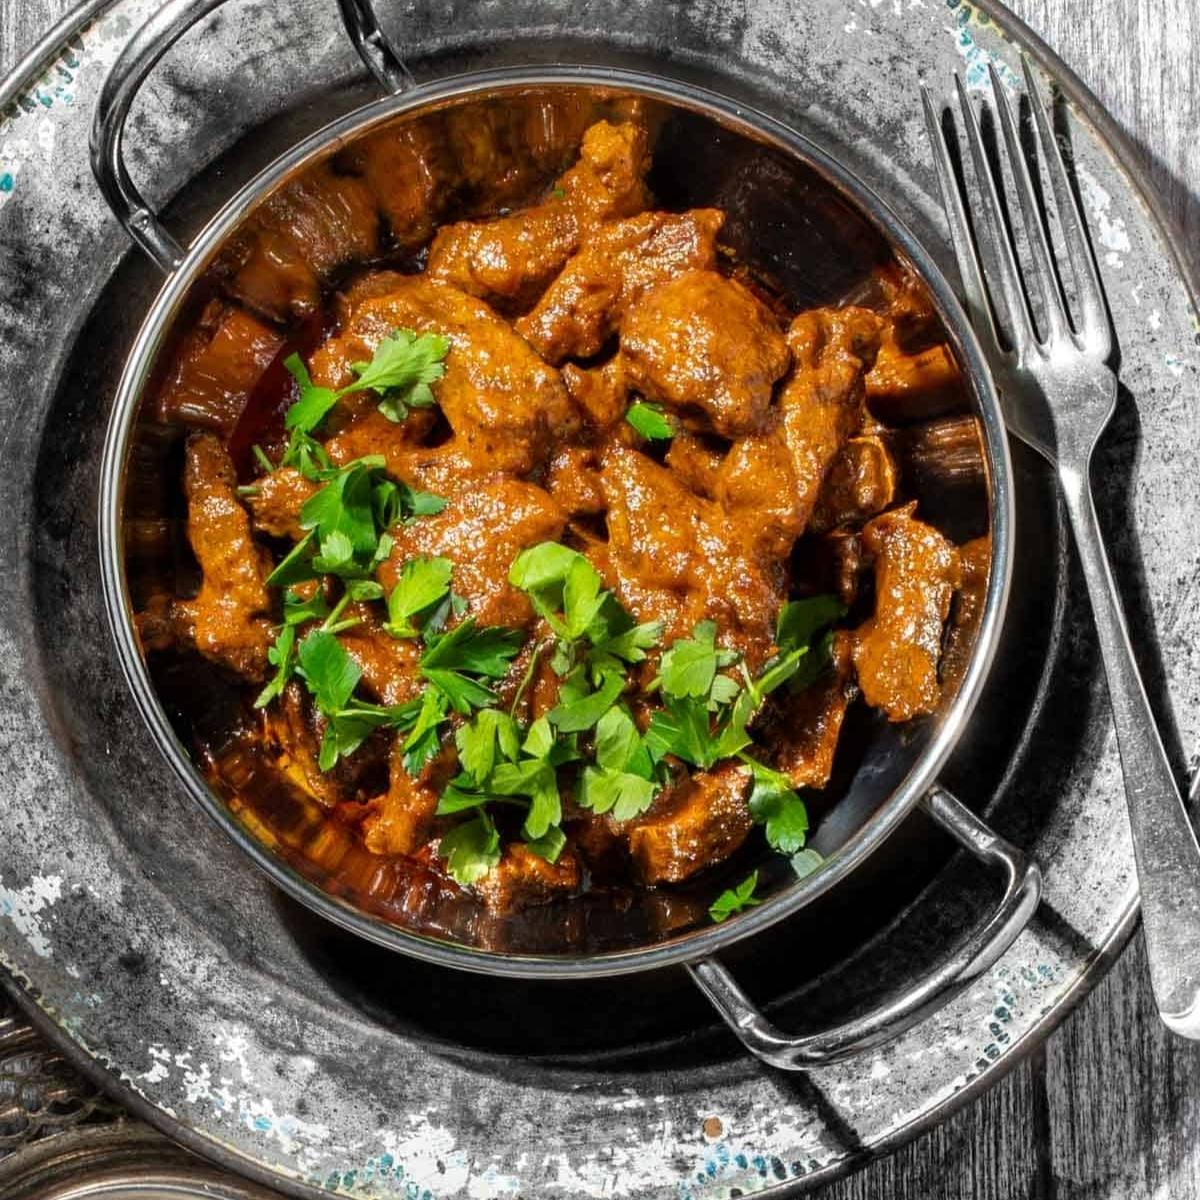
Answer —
799 443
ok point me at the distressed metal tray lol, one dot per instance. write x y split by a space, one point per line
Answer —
164 965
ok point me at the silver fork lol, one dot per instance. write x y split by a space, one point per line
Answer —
1058 394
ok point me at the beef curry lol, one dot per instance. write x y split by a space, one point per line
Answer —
542 552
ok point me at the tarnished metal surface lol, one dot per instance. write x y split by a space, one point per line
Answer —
257 1033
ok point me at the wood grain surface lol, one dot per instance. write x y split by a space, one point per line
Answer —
1109 1107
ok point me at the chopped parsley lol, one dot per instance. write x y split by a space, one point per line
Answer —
471 849
331 675
650 420
400 373
777 807
423 587
347 522
735 899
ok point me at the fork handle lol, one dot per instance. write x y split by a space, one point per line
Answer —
1164 843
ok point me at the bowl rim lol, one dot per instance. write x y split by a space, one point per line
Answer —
748 121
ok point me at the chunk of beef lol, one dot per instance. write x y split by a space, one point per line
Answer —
503 403
228 620
507 261
511 259
860 482
896 651
699 822
573 480
695 463
680 558
600 393
975 558
298 237
833 562
607 181
292 733
405 168
277 503
804 727
707 347
522 879
402 818
216 369
502 152
914 386
619 261
778 475
389 665
481 532
367 432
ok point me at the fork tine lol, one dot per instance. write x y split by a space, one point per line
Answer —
1020 323
1093 322
1039 246
962 237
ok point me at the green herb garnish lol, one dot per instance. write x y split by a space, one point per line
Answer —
776 806
650 420
735 899
347 523
400 371
423 586
471 849
331 675
689 667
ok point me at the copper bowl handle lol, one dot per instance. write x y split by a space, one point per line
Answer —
1022 891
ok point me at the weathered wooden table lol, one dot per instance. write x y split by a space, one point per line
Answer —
1109 1107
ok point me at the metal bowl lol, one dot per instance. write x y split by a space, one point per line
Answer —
776 181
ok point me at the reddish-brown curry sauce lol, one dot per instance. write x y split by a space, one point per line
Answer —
785 477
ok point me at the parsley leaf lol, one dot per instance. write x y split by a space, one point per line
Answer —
400 371
735 899
479 739
689 667
424 738
451 658
589 623
486 651
777 807
462 692
550 845
307 455
347 522
471 849
543 571
626 641
577 714
403 366
617 739
806 862
539 741
344 507
314 403
683 727
650 421
282 656
331 674
423 583
536 779
348 728
296 566
801 620
622 793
